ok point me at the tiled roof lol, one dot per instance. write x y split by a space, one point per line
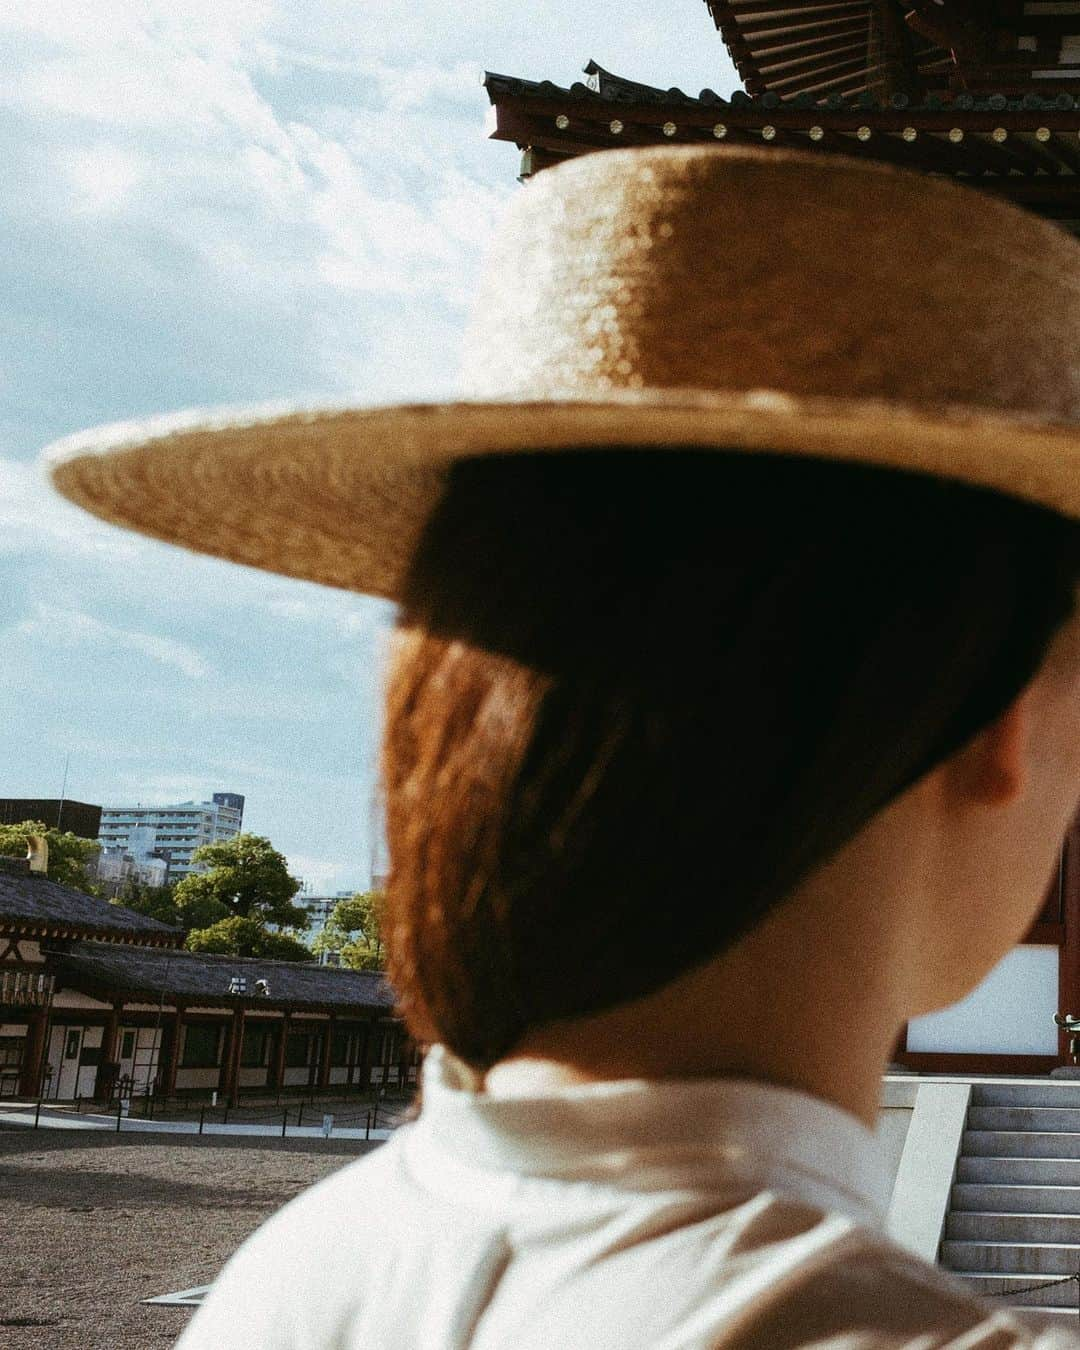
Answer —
196 977
30 901
605 87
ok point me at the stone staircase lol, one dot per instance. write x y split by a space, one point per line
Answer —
1014 1216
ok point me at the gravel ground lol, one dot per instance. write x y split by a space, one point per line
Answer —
93 1223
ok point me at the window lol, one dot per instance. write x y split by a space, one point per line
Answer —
11 1051
127 1045
339 1048
201 1045
298 1050
71 1045
253 1050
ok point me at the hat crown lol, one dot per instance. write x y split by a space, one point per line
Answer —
731 269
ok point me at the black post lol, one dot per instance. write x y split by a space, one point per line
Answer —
299 1114
119 1112
202 1117
37 1112
225 1115
367 1126
284 1121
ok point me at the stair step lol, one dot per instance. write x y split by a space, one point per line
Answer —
1039 1118
1020 1171
987 1226
1063 1295
1053 1093
1016 1199
1020 1144
1011 1258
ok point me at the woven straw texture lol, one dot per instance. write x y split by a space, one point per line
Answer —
679 296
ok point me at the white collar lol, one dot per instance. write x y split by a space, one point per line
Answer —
717 1134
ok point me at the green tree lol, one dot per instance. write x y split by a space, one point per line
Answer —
156 902
247 878
70 856
242 935
354 931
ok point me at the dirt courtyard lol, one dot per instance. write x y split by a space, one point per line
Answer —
95 1222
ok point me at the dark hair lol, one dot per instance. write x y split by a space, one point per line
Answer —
637 696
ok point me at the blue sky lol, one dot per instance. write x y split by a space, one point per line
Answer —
224 203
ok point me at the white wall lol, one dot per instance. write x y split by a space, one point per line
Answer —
1010 1013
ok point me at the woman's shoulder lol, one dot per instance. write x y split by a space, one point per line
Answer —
305 1260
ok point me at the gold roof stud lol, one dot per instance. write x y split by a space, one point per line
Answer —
562 121
616 127
768 133
669 128
1000 135
909 134
1043 134
720 131
956 135
863 133
817 133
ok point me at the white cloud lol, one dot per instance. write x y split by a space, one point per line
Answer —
70 628
224 203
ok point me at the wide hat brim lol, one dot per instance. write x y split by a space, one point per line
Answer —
338 495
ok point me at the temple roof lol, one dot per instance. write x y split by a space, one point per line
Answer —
33 905
1025 148
806 46
908 46
197 977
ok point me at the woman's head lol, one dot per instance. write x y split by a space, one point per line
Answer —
638 696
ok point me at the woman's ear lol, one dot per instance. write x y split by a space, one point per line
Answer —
992 769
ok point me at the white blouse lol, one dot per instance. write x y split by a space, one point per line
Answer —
663 1214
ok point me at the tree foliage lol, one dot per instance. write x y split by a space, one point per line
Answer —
247 878
70 856
155 902
354 932
243 935
161 903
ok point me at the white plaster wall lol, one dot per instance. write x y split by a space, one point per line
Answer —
1010 1012
68 998
297 1077
252 1077
339 1075
28 949
13 1028
92 1038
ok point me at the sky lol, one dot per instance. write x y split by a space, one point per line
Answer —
223 203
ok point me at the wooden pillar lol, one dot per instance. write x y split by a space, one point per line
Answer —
174 1032
279 1053
105 1079
327 1048
230 1070
369 1033
34 1054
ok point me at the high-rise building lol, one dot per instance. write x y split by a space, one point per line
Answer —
172 832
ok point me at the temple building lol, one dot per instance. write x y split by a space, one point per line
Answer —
979 91
987 93
97 1000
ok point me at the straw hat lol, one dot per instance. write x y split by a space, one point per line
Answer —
719 297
